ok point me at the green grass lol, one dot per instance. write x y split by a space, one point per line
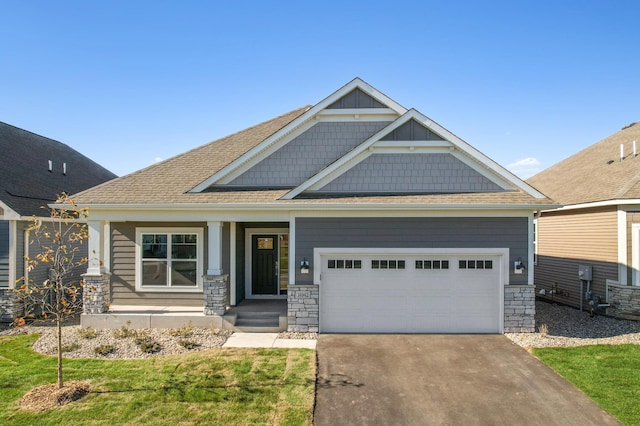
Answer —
608 374
223 386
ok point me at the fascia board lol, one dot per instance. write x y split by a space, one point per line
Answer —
106 211
9 213
480 157
624 205
307 115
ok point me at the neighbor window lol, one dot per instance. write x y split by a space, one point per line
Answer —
169 259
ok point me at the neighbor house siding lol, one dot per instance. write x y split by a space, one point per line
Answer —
4 253
572 238
123 267
449 232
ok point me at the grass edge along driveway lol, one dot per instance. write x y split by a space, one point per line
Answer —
608 374
218 386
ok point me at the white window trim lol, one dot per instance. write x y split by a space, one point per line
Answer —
635 253
199 259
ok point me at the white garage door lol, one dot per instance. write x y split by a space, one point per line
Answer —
410 294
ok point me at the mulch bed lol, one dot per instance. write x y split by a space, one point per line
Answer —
49 396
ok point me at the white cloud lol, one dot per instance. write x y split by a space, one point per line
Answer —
525 168
157 160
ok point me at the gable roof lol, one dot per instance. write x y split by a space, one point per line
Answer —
26 183
203 177
596 173
169 180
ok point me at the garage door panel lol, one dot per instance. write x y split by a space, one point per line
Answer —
414 299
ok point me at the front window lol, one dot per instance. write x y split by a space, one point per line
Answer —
169 259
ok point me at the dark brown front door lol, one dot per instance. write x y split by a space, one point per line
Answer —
264 265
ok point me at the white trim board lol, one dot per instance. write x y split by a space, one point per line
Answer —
259 152
248 259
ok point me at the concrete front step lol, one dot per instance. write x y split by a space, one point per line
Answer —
259 322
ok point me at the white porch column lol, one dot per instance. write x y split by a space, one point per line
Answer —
215 248
96 245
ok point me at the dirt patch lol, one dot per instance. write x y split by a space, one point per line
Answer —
49 396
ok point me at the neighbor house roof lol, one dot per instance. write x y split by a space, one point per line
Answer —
27 183
597 173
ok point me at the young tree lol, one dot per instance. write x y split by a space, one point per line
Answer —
59 239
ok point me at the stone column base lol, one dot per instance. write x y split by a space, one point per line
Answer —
519 308
303 304
96 293
11 307
215 294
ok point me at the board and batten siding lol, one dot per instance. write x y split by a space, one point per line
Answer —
4 253
413 232
576 237
123 266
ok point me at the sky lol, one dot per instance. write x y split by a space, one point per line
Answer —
130 83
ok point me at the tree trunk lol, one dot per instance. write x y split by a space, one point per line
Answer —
59 325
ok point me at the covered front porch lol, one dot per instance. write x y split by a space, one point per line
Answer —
221 274
259 315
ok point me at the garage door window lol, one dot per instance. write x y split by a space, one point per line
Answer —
475 264
387 264
432 264
344 264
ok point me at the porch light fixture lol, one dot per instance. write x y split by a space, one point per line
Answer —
518 266
304 267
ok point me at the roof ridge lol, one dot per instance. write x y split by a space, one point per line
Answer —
36 134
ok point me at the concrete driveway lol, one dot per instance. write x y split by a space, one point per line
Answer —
442 380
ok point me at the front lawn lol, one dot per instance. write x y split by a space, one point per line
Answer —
608 374
218 386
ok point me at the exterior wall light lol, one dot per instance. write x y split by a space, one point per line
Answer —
304 267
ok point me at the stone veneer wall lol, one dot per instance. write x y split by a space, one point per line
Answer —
11 306
215 294
519 309
624 298
303 308
96 293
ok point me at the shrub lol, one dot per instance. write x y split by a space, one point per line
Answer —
124 332
70 347
88 333
141 338
188 344
150 346
185 331
104 350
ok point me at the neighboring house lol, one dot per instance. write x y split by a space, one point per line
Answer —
598 227
33 171
364 215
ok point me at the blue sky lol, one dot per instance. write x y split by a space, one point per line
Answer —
130 82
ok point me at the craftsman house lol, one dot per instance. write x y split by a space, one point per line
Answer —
33 171
360 214
588 252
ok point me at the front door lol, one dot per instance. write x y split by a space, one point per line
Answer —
264 269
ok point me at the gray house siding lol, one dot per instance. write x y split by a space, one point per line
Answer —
356 99
449 232
4 253
123 258
308 153
412 131
411 173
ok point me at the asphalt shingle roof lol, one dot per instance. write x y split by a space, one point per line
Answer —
169 182
595 173
25 181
